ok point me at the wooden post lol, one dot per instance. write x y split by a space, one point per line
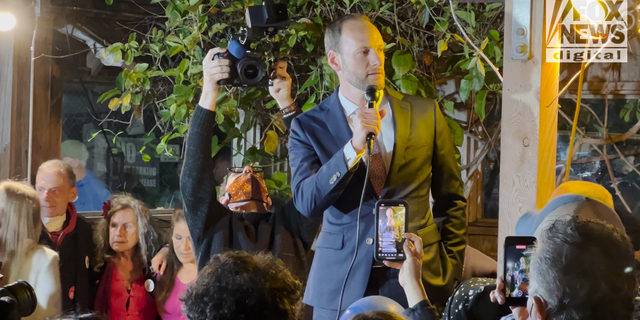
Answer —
15 68
529 127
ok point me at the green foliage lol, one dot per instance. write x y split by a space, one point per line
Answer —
423 51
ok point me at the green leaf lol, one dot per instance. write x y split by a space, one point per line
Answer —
310 103
312 81
270 104
173 40
165 115
449 106
424 17
184 64
408 84
160 147
492 6
215 147
117 56
279 177
456 132
494 34
181 112
136 99
128 58
141 67
442 47
466 84
441 25
467 16
402 62
484 43
481 100
109 94
175 50
497 52
292 40
108 2
480 67
146 158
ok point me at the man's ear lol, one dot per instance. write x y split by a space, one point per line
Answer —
73 195
539 309
333 58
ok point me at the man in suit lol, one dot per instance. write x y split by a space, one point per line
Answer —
413 154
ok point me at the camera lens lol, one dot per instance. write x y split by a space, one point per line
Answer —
251 71
23 294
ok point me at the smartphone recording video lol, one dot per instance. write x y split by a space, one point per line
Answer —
517 258
391 218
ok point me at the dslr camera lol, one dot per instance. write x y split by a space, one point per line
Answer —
17 300
248 68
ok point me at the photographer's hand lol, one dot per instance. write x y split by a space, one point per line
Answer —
281 88
213 71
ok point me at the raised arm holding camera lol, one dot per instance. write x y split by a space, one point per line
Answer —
246 223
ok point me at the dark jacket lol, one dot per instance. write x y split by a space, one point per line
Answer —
214 228
76 249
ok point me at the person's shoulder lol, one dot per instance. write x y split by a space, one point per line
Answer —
43 256
317 112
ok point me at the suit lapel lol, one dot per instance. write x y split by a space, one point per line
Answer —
402 123
336 121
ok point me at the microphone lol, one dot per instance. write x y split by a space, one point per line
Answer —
371 94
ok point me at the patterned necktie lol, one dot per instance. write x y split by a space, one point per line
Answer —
377 170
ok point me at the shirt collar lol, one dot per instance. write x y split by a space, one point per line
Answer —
350 107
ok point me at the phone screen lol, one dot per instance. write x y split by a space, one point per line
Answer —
516 273
391 229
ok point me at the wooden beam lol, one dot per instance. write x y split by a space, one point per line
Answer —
521 118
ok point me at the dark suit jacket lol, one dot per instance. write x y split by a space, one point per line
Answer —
322 185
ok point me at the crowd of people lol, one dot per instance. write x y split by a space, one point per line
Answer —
233 254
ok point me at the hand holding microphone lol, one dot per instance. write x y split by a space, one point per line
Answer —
367 121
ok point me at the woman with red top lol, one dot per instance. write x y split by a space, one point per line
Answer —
125 242
181 270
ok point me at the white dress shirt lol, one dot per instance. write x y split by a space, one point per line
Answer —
386 136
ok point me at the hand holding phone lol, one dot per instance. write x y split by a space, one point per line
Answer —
517 259
391 225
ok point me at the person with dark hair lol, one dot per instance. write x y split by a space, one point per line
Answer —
601 282
181 270
244 221
237 285
413 157
126 241
67 233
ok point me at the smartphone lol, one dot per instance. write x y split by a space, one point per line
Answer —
517 259
391 224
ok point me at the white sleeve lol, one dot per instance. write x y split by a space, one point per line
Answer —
351 158
47 288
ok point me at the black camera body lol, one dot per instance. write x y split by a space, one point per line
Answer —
17 300
248 68
248 71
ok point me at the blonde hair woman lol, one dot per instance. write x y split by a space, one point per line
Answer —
22 257
125 242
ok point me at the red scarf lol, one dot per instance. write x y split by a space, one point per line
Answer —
72 218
